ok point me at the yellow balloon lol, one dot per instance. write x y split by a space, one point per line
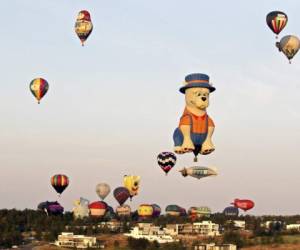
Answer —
132 183
145 210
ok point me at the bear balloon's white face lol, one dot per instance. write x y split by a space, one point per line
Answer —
197 98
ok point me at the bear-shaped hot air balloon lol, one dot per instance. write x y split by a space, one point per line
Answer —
195 130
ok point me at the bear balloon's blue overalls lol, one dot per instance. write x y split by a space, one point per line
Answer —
197 138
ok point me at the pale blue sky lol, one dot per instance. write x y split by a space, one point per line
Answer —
112 105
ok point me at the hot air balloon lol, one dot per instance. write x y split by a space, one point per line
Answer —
156 210
59 182
39 88
83 25
173 210
289 45
121 194
166 160
182 211
145 211
81 208
98 208
276 21
110 213
132 183
198 212
195 129
123 210
231 211
102 190
243 204
198 172
54 208
51 208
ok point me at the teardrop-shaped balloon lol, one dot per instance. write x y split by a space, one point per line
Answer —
121 194
276 21
83 25
102 190
166 160
59 182
39 88
289 45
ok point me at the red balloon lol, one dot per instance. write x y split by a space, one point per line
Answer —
243 204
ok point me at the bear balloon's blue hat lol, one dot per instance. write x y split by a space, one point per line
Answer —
197 80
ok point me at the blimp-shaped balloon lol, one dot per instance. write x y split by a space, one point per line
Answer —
198 172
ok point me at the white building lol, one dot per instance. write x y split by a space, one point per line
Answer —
212 246
241 224
293 227
150 233
269 223
75 241
206 228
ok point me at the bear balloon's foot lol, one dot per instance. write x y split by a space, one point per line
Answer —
207 147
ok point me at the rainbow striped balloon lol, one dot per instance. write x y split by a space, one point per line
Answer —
39 88
59 182
276 21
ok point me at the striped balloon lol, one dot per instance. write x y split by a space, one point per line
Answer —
39 88
166 161
59 182
121 194
276 21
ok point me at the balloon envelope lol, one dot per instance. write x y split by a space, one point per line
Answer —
59 182
243 204
102 190
51 207
98 208
123 210
132 183
276 21
231 211
166 161
81 208
289 45
156 210
39 88
198 172
121 194
199 212
83 25
145 211
173 210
